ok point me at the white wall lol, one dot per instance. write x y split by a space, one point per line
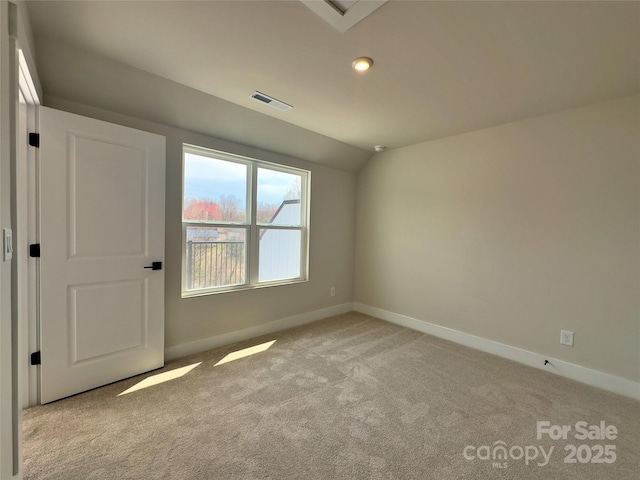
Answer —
332 240
513 233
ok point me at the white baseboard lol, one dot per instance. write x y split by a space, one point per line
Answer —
204 344
575 372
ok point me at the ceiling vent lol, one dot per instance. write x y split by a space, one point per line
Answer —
343 14
272 102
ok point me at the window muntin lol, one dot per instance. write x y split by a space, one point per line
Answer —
245 222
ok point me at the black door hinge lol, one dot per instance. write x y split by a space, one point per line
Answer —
34 140
35 358
34 250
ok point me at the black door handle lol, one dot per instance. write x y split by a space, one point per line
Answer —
155 266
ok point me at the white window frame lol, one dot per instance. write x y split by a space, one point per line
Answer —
252 240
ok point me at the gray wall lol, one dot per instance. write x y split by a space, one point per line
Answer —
513 233
331 242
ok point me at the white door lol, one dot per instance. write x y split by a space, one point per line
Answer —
101 226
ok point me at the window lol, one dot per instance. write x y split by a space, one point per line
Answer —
244 222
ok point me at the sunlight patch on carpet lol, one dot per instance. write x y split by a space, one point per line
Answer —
245 352
161 378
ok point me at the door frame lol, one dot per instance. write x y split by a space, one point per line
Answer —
27 232
20 95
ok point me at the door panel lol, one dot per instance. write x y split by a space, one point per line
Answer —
101 224
111 175
107 318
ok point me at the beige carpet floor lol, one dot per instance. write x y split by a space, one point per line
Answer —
350 397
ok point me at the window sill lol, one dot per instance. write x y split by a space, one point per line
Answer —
240 288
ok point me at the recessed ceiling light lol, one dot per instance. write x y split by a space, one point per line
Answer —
379 148
362 64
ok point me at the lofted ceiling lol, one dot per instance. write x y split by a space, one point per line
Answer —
440 68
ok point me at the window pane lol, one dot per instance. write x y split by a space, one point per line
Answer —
215 257
278 197
214 190
279 254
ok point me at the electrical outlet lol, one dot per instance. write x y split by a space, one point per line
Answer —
332 291
566 338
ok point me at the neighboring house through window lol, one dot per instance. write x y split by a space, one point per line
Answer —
245 222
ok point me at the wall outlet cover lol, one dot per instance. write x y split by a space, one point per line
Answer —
566 338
